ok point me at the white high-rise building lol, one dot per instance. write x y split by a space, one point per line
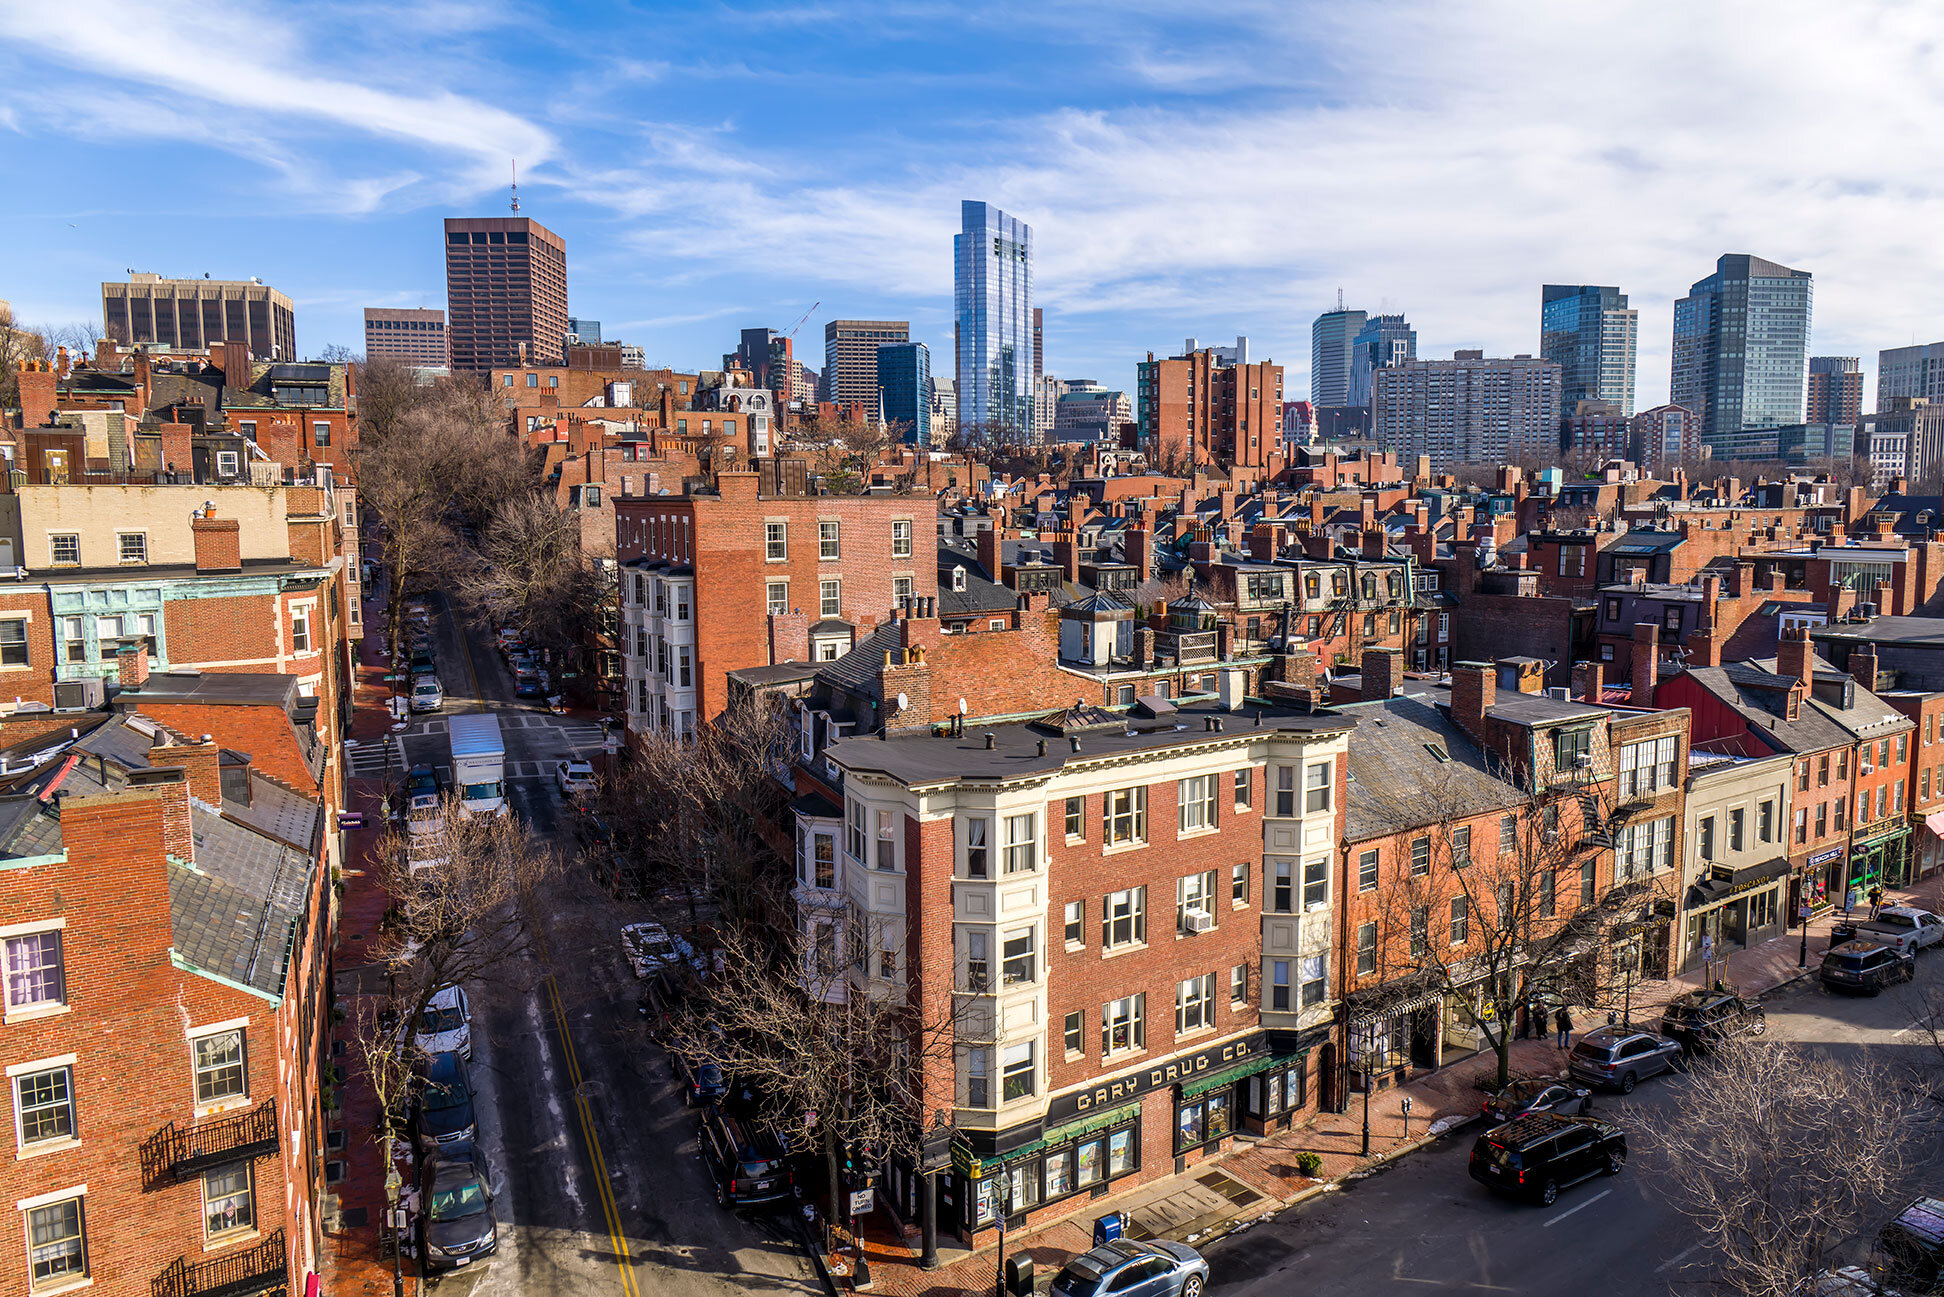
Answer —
1467 410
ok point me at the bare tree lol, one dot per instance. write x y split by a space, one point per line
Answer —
386 390
383 1050
822 1029
464 903
80 337
1503 926
1781 1155
339 354
19 343
533 575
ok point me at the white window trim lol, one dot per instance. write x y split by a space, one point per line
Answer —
30 1013
22 1149
192 1035
131 562
26 1205
59 1195
55 562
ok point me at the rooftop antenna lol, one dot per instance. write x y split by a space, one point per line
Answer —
1339 297
516 186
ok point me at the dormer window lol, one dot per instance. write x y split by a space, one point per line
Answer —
958 579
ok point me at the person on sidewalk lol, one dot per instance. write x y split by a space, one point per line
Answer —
1564 1021
1876 900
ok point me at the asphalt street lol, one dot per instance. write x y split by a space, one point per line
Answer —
597 1185
1423 1225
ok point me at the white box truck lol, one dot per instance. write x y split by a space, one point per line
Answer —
479 763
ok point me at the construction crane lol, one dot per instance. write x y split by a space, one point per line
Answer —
806 315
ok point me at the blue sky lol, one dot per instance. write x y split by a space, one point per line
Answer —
1207 170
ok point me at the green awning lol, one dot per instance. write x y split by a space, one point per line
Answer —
1237 1072
1087 1125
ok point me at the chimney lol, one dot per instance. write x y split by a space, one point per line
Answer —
61 361
235 360
1742 584
1793 656
1383 671
919 627
989 550
1863 665
1589 681
1375 542
1066 555
1646 662
1474 688
219 544
132 666
1140 542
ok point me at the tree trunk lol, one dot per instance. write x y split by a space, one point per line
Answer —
832 1216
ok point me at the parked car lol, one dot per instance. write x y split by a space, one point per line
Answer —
426 694
1537 1156
1910 1249
650 947
1621 1056
1523 1098
1702 1019
745 1158
423 663
1844 1281
529 684
1124 1267
445 1026
456 1224
1902 927
1866 966
507 640
575 778
445 1107
702 1083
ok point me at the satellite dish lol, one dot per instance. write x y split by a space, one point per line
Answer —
903 702
962 707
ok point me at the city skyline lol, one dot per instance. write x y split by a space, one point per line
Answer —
692 223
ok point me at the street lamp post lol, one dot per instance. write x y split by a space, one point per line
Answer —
393 1183
1802 912
1001 1206
1366 1038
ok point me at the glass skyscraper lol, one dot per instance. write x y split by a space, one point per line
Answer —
904 390
1383 341
1589 332
1741 346
992 303
1332 340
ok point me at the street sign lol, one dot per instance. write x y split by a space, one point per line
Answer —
1802 911
860 1201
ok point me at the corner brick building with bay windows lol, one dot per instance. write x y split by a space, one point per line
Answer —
749 575
1125 916
165 927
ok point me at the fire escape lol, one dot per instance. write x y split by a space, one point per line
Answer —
177 1154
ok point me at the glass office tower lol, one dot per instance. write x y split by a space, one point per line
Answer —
1741 346
1589 332
904 390
1383 341
992 303
1332 340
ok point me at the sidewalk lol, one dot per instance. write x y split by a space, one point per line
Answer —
1260 1177
355 1257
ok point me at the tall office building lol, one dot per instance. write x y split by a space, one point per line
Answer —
409 336
1039 345
1332 339
1047 391
1910 371
1836 390
904 390
1592 335
506 292
1741 344
992 308
768 356
851 358
1384 340
944 409
1468 410
196 314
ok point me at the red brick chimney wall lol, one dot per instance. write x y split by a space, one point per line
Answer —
1474 689
1383 672
1646 662
177 457
1066 555
1140 543
920 629
131 666
1793 654
235 360
1863 665
201 767
989 551
219 544
1589 680
789 637
1374 542
39 392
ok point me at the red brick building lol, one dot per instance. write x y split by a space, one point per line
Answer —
1194 410
747 575
166 924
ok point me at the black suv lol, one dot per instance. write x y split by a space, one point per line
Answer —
1536 1156
1700 1020
1866 966
745 1159
1910 1249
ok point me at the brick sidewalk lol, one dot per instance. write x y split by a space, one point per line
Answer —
1442 1100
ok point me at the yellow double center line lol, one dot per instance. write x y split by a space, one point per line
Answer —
623 1257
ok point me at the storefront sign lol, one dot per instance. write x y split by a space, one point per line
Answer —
1135 1084
1824 857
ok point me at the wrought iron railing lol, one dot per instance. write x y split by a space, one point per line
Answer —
177 1152
264 1268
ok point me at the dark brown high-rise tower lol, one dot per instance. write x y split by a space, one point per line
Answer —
506 292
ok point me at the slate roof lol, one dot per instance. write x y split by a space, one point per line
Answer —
857 671
1398 783
235 912
279 812
1760 697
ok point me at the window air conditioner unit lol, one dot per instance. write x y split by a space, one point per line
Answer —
80 695
1199 922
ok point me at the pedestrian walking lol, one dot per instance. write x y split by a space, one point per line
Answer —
1564 1021
1876 899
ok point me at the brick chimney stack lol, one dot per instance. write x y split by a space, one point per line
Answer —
1589 681
1646 662
132 666
1383 672
1863 666
1140 546
1474 688
1793 655
219 544
989 551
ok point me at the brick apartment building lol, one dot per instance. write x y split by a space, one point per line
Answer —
1194 410
166 921
749 575
1128 917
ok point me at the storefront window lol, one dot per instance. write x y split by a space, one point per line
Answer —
1092 1163
1059 1173
1205 1118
